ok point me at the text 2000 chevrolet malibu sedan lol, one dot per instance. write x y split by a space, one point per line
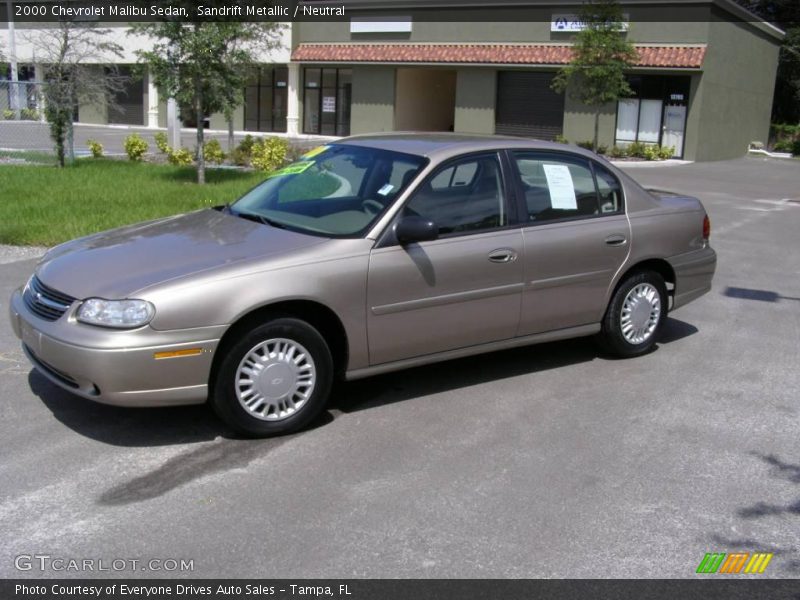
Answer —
370 254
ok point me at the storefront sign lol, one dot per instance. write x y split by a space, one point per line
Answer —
329 104
569 23
380 25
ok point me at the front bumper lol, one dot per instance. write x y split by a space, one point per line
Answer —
117 367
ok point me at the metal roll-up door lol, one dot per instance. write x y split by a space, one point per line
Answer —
528 106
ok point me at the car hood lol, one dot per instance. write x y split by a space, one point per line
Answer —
118 263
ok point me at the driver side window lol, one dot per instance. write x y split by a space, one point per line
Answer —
463 197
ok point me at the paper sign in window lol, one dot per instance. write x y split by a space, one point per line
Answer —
562 189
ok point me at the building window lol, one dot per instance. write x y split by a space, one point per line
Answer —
327 95
266 99
656 113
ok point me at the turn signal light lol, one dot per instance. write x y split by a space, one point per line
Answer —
706 228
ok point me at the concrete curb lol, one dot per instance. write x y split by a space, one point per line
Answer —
10 254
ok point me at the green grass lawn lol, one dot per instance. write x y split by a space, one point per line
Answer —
44 205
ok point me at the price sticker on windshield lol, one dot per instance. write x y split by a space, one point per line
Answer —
292 169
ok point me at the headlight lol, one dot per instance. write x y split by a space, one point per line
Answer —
122 314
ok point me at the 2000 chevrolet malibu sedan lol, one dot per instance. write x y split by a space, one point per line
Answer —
370 254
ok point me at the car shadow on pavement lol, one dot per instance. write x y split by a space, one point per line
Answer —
143 427
474 370
136 427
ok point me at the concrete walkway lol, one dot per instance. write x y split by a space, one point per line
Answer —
35 136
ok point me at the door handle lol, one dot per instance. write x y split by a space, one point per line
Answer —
502 255
616 240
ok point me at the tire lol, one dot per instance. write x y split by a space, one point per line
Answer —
635 315
293 371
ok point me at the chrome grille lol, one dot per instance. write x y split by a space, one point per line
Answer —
46 303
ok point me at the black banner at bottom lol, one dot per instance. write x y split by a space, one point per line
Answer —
396 589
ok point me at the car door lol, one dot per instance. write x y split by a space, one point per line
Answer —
459 290
576 238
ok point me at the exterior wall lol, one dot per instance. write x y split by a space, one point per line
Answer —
476 95
424 99
691 143
735 91
372 108
218 120
508 25
95 113
579 122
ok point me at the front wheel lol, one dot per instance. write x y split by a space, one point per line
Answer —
635 315
274 379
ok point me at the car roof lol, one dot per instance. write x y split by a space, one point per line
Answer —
443 145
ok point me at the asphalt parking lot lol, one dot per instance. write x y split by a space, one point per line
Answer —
549 461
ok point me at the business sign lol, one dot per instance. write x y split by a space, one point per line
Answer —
570 23
380 25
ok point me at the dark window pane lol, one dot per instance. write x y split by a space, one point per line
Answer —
463 198
313 78
556 187
329 78
609 191
311 111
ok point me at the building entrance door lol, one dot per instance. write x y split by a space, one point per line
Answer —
674 126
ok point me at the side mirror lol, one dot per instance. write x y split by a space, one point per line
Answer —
415 229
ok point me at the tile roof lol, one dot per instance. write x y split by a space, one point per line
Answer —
663 56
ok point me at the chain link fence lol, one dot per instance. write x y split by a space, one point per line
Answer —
22 125
25 135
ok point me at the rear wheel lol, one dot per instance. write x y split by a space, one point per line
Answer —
274 379
635 315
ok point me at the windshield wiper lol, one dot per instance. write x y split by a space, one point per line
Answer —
257 218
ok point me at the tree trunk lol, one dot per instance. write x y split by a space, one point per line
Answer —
596 129
230 132
70 143
201 158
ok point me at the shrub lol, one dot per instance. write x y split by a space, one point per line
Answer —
269 153
8 114
181 157
213 151
295 153
666 152
587 144
240 157
617 152
161 142
29 114
95 147
756 145
796 148
560 139
650 152
246 145
782 146
602 148
637 149
135 146
242 153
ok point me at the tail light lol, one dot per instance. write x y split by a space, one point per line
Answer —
706 228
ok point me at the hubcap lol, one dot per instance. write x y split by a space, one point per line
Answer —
640 313
275 379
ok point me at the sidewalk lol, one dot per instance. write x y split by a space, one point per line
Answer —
35 136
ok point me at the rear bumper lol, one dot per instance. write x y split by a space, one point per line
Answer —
125 375
693 274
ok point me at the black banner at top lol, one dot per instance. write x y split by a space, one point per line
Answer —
131 11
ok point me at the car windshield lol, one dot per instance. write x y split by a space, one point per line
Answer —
337 190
